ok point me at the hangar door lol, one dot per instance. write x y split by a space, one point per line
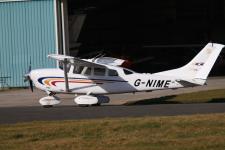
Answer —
27 35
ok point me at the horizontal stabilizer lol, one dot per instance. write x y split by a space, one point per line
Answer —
188 83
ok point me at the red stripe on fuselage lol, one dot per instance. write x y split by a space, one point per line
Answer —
79 81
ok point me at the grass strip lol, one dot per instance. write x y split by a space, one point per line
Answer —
195 132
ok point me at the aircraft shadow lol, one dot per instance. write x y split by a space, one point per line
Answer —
169 100
160 100
155 101
217 100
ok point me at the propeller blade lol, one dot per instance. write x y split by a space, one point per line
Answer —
29 70
31 85
28 78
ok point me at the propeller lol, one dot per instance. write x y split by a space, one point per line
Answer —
28 78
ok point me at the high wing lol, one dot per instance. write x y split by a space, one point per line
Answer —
60 57
76 61
109 61
88 63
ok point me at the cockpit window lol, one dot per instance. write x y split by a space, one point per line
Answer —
127 72
67 67
112 72
82 70
78 69
99 71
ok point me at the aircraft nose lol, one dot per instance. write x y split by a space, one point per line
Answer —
36 74
33 74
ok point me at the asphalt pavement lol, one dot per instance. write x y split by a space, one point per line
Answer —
27 114
20 105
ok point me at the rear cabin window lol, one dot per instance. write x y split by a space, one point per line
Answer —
99 71
112 72
127 72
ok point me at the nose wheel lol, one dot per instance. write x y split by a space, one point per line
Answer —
49 101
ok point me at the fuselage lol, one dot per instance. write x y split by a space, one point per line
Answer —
92 80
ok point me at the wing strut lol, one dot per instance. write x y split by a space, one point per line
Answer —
65 62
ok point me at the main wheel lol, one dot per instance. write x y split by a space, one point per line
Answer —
47 106
98 104
83 105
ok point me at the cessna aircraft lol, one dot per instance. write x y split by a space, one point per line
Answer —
92 78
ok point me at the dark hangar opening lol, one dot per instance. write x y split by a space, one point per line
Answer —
154 35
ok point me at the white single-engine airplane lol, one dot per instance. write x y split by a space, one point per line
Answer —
105 75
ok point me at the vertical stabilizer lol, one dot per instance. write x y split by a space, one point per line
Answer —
200 66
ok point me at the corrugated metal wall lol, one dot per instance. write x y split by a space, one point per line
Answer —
27 32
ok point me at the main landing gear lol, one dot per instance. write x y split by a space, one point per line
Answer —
90 100
83 100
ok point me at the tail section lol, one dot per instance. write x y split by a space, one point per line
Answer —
200 66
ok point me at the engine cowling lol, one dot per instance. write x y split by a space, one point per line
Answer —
91 100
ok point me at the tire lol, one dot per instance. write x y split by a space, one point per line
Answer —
47 106
98 104
83 105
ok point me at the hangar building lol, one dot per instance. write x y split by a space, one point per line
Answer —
152 34
29 31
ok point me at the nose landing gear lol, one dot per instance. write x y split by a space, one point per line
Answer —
49 101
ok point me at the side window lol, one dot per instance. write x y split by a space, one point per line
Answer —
127 72
99 71
86 71
112 72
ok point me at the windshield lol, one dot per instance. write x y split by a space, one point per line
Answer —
67 67
78 69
